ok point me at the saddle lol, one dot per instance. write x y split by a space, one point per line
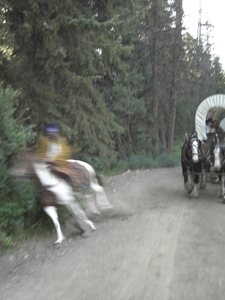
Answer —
75 174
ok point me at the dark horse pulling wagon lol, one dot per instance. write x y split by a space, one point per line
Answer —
203 153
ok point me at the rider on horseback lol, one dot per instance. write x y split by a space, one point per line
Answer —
55 150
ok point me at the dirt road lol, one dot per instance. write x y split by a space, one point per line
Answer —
159 245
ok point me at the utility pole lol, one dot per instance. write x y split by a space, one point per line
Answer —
199 31
199 50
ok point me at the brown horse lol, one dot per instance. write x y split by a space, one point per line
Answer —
54 190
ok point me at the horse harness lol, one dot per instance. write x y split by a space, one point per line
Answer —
208 148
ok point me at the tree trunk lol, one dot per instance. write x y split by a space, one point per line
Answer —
174 88
153 42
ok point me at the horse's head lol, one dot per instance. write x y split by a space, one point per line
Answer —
219 152
23 168
193 146
212 147
217 158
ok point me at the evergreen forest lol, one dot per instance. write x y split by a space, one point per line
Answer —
123 78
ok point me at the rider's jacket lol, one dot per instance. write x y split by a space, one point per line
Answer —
58 149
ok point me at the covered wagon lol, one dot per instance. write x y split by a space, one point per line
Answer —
212 107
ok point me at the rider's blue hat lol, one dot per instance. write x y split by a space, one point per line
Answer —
52 129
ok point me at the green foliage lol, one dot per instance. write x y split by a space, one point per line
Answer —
177 150
140 161
218 76
13 135
13 196
63 51
15 201
131 112
149 161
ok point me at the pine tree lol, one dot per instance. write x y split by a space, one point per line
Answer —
61 51
217 77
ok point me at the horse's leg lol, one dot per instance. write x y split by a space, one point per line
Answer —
101 198
79 215
51 211
194 193
207 172
222 188
191 179
202 177
187 184
65 196
92 205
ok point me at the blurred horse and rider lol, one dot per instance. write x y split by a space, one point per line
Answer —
54 150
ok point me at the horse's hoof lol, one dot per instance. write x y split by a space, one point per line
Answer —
194 196
107 209
96 212
202 185
188 187
86 234
80 225
59 241
190 191
91 225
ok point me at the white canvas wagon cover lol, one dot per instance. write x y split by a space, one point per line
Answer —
222 124
211 107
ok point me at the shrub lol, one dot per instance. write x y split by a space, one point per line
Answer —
141 161
13 197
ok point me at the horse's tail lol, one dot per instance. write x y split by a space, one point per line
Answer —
100 180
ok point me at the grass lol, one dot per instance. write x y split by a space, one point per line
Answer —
140 161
